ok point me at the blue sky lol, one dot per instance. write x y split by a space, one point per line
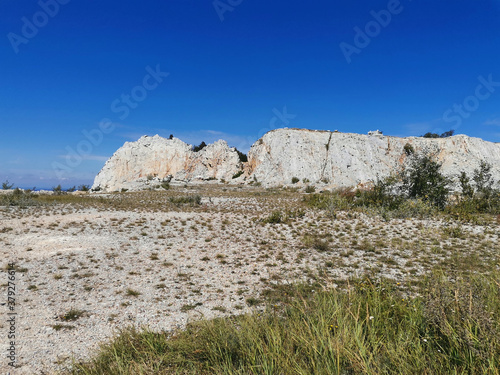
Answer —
234 69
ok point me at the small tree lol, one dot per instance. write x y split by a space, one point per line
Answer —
447 134
6 185
58 190
467 189
422 179
483 179
243 157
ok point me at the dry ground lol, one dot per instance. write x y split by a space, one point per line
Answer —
88 266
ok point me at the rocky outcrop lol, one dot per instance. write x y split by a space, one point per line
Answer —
328 159
337 159
151 160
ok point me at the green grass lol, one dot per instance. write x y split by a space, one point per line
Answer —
452 326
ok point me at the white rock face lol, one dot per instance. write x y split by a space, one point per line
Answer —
338 159
130 165
323 158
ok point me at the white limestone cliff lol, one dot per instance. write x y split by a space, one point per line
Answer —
339 159
328 159
157 158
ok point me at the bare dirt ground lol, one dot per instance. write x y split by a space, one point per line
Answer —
88 266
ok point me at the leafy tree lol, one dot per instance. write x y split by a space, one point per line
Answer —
483 179
467 189
422 179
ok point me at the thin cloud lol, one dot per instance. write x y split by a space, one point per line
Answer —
495 122
89 157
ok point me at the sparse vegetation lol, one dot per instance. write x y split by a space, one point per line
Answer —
72 315
310 189
189 199
447 134
444 326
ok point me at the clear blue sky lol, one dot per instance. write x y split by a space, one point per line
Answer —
405 67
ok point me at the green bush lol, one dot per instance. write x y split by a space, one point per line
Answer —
422 178
295 180
408 149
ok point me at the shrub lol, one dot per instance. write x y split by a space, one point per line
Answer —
19 198
310 189
165 185
276 217
84 187
449 133
188 199
481 196
71 315
295 180
6 185
422 178
237 174
58 190
409 150
200 147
